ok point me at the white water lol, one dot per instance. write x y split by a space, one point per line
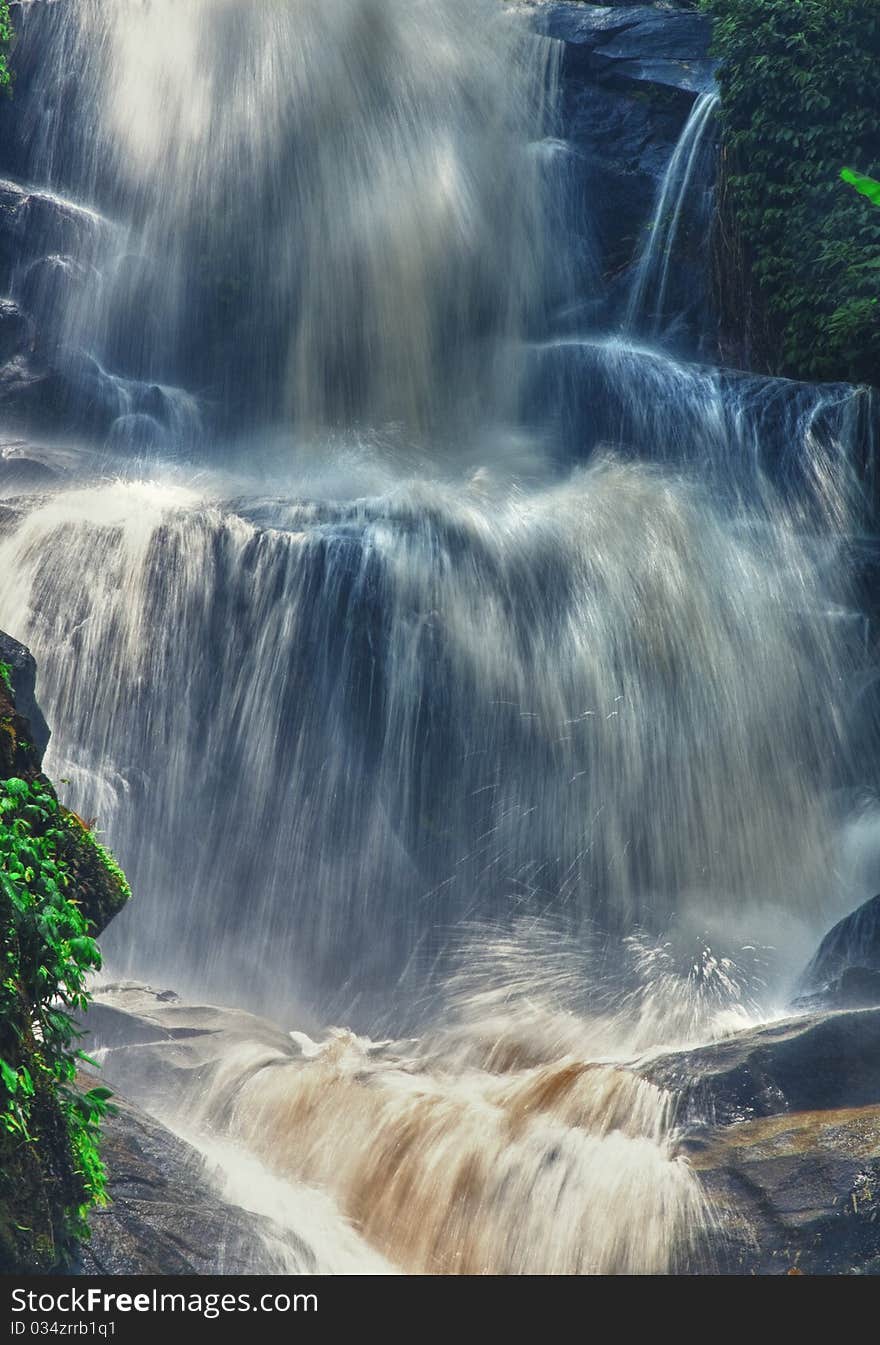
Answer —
400 230
601 697
647 306
394 719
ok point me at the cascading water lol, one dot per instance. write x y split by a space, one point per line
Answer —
647 308
441 697
401 232
444 673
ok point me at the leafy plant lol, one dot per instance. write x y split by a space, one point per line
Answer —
867 186
6 675
5 39
799 253
47 951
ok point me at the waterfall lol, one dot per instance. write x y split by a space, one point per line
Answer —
401 244
647 308
485 686
457 697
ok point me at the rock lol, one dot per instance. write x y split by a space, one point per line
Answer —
157 1049
782 1125
818 1062
851 946
16 330
629 76
855 988
738 424
60 389
37 224
796 1192
166 1217
49 288
632 46
23 469
23 676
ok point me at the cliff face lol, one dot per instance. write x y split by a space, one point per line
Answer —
58 888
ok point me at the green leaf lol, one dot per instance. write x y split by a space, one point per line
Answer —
9 1077
866 186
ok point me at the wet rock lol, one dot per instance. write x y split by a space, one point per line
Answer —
22 470
166 1218
799 1191
629 76
855 988
632 45
756 423
818 1062
38 224
782 1125
23 677
48 288
157 1049
847 957
61 389
16 330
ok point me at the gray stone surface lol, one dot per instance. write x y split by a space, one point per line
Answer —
796 1193
817 1062
23 675
165 1217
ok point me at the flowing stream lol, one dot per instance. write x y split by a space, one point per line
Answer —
485 689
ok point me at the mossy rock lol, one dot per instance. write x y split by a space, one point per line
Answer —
99 884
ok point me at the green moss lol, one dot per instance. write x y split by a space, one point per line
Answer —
101 887
800 96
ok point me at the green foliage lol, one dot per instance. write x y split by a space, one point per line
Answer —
866 186
6 676
5 39
800 92
47 953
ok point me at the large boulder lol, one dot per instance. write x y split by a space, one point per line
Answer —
25 712
782 1125
159 1050
845 971
796 1193
166 1216
812 1063
743 427
37 224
